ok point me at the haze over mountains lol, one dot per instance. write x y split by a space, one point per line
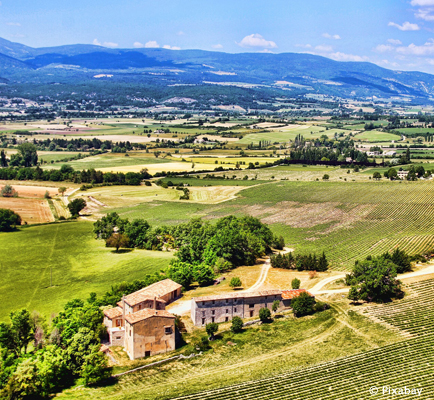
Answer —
293 73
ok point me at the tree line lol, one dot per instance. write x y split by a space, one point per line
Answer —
300 262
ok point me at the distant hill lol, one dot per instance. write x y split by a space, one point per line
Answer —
290 72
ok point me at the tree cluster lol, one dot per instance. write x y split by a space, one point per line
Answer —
37 361
202 248
300 262
374 280
9 220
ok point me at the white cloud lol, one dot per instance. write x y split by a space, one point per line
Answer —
328 36
166 46
110 44
217 46
304 46
406 26
383 48
138 45
180 33
96 42
256 40
426 50
325 49
338 56
152 44
422 3
13 24
394 41
425 14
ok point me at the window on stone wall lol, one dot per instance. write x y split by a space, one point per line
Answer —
167 330
227 311
212 312
235 309
212 319
227 300
251 305
118 337
226 319
213 302
203 321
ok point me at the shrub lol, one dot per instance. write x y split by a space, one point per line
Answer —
235 282
8 191
320 306
264 314
295 283
326 177
237 324
211 329
303 304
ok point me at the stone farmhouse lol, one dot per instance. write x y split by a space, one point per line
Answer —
402 174
140 322
223 308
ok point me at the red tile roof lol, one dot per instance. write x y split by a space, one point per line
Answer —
147 313
149 292
290 294
113 312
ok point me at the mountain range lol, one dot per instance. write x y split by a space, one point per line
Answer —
292 73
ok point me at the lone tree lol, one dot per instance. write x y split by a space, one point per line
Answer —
117 240
8 191
264 315
75 206
237 325
295 283
62 190
8 220
211 329
325 177
376 176
302 304
374 280
235 282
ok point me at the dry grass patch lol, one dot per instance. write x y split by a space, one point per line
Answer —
34 191
32 211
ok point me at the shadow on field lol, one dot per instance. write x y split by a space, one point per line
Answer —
122 251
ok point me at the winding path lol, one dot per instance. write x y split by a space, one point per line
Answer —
184 306
316 290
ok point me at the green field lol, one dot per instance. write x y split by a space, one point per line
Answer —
79 264
348 220
109 160
288 133
376 136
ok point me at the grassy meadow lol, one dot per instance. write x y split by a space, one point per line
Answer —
79 265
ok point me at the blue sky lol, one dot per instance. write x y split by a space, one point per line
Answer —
396 34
